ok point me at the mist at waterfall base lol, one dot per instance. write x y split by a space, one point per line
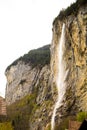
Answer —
61 86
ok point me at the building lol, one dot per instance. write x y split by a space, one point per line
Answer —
2 106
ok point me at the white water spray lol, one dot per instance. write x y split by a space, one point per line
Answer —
60 78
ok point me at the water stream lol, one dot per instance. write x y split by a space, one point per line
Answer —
60 77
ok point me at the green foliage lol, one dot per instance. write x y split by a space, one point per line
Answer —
81 116
37 57
20 112
6 126
81 2
27 110
71 10
63 125
3 118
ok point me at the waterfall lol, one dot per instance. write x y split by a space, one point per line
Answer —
60 77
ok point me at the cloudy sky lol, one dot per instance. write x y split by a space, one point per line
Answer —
25 25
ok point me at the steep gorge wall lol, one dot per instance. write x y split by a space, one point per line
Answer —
23 79
75 58
27 74
28 83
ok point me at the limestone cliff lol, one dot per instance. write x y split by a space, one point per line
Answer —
75 58
24 75
28 90
36 78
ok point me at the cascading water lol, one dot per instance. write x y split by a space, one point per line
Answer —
60 77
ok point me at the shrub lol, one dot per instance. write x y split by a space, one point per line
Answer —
21 111
72 9
6 126
81 2
37 57
3 118
81 116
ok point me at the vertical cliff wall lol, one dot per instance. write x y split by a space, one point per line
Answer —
28 90
75 58
27 74
35 75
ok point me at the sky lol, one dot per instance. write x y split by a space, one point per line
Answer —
25 25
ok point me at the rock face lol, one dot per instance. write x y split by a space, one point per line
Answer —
75 58
23 79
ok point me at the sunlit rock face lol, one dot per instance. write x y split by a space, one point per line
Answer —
22 79
75 58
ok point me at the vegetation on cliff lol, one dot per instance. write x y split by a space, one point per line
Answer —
72 9
20 112
37 57
81 116
6 126
25 111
